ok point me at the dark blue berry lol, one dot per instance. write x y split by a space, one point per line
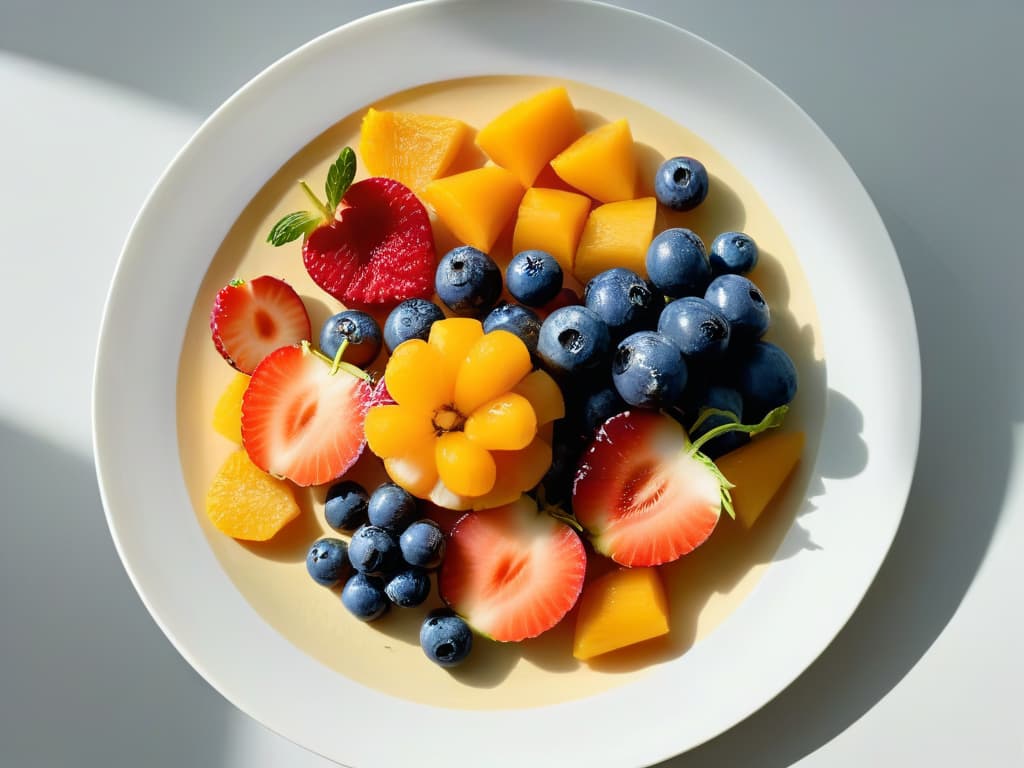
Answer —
345 508
625 301
468 281
742 304
423 544
445 638
733 253
373 550
533 278
515 319
677 263
766 378
696 326
408 588
681 183
410 320
364 597
357 328
392 508
721 399
648 370
327 561
573 339
598 407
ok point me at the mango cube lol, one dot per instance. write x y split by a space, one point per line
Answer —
601 163
621 608
411 148
551 220
227 415
758 470
616 235
246 503
524 138
476 205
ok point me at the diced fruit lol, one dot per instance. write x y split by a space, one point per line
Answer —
681 183
506 423
758 470
394 430
520 471
533 277
415 470
551 220
411 148
621 608
625 301
642 496
327 561
494 365
616 235
524 138
227 415
378 250
463 465
602 163
246 503
476 205
468 281
648 370
512 572
301 422
250 319
678 264
445 639
544 395
406 379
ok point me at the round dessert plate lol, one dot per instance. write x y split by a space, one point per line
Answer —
861 472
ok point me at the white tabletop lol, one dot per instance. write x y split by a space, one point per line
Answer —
923 99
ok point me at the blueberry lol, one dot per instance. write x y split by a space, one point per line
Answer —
345 508
566 448
373 550
468 281
364 597
625 301
681 183
516 319
392 508
648 370
733 253
445 638
743 305
533 278
573 339
678 264
410 320
327 561
722 399
359 329
423 544
766 378
696 326
598 407
408 588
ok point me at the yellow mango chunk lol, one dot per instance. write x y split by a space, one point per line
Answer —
601 163
476 205
494 364
506 423
758 470
246 503
621 608
525 138
544 395
463 466
616 235
227 415
411 148
551 220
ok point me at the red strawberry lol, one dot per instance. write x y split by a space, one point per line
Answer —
251 319
512 572
379 249
302 422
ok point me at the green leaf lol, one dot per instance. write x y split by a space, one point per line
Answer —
339 177
293 226
723 482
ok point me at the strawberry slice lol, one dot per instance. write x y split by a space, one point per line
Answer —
639 493
379 249
300 420
511 572
250 319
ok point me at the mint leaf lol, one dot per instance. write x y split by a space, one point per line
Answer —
293 226
339 177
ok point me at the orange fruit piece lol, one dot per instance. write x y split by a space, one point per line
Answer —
463 466
245 502
227 415
544 396
525 137
621 608
601 163
506 423
551 220
408 147
476 205
395 430
417 377
494 364
453 338
415 470
616 235
758 470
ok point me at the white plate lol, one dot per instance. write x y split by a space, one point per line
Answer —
865 320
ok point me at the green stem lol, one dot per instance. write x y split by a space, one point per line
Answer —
707 413
359 373
773 419
327 212
336 362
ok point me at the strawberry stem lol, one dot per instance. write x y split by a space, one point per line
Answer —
773 419
327 212
359 373
336 362
707 413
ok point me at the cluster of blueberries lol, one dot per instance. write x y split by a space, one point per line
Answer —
386 562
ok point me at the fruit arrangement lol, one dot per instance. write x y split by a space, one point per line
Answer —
597 396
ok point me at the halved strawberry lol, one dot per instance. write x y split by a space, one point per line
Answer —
641 496
302 422
250 319
379 249
512 572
